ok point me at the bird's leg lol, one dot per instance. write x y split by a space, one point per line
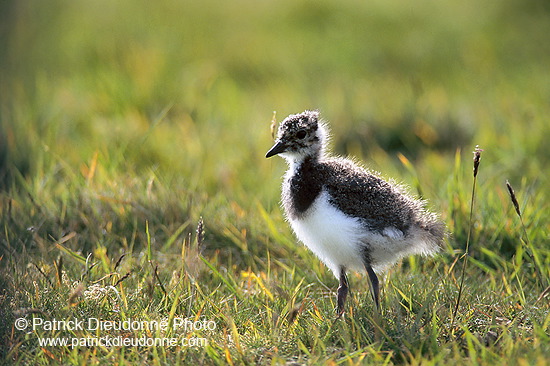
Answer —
375 291
342 291
375 287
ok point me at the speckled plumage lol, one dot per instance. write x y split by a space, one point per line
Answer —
350 217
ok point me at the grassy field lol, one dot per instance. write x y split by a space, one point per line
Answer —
133 183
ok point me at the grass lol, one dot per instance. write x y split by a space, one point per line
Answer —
133 184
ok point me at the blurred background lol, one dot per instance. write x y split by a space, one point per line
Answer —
130 111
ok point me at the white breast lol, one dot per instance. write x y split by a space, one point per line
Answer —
340 240
333 236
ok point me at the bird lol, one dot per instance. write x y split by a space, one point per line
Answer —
347 215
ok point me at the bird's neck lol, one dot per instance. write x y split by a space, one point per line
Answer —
296 161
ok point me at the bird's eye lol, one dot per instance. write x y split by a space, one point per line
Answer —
301 134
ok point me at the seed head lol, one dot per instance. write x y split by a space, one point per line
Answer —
477 158
513 197
200 234
274 124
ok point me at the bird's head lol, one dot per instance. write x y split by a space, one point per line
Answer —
300 136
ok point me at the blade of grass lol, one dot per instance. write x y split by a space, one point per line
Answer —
232 287
71 253
174 236
477 158
529 249
149 249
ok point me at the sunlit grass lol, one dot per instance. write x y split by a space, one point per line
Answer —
124 125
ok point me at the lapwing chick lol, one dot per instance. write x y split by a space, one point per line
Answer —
350 217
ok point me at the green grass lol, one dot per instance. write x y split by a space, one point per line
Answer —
123 125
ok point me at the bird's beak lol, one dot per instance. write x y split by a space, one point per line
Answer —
278 148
